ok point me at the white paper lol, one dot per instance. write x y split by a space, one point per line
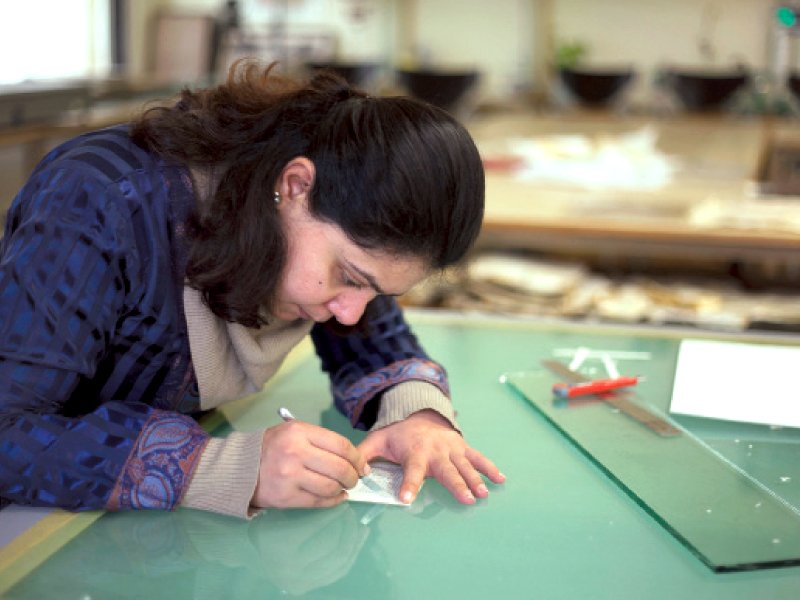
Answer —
753 383
381 486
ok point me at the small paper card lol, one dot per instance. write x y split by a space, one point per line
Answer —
752 383
381 486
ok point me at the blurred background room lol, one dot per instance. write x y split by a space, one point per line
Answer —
642 158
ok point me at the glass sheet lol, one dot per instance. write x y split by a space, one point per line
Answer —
699 489
770 455
553 530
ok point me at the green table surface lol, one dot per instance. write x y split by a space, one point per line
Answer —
558 528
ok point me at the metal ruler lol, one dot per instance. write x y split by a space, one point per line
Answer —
619 400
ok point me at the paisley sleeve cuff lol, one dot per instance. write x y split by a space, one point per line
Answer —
355 398
409 397
226 476
160 465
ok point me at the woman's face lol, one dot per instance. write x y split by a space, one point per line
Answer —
327 275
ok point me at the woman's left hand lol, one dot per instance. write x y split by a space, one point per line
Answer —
427 445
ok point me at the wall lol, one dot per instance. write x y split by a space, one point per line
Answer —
492 36
365 28
140 15
651 32
648 34
512 41
495 37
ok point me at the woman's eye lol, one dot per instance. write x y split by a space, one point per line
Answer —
350 282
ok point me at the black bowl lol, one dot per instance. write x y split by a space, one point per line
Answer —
444 89
595 87
356 74
793 83
705 91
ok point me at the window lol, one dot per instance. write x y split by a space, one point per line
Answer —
54 39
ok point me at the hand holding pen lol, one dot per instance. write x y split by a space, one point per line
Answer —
305 466
424 443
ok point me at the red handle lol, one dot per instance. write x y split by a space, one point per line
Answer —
597 386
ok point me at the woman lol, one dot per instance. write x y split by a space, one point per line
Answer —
156 270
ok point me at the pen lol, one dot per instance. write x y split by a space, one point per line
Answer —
597 386
287 416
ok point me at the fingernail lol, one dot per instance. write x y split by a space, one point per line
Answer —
469 497
367 469
502 476
483 490
406 497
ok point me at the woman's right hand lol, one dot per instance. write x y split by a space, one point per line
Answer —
306 466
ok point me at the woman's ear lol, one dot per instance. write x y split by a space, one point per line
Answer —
296 178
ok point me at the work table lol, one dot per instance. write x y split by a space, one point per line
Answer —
709 208
560 527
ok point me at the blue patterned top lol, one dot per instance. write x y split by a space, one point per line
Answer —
97 387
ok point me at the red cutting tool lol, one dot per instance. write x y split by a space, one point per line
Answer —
620 399
595 386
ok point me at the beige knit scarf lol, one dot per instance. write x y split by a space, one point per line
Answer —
230 360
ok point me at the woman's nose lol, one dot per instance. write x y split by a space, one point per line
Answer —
348 306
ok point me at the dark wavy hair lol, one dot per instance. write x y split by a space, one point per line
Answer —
394 173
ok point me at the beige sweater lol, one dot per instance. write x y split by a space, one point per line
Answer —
232 361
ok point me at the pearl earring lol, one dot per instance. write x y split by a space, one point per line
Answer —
277 197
